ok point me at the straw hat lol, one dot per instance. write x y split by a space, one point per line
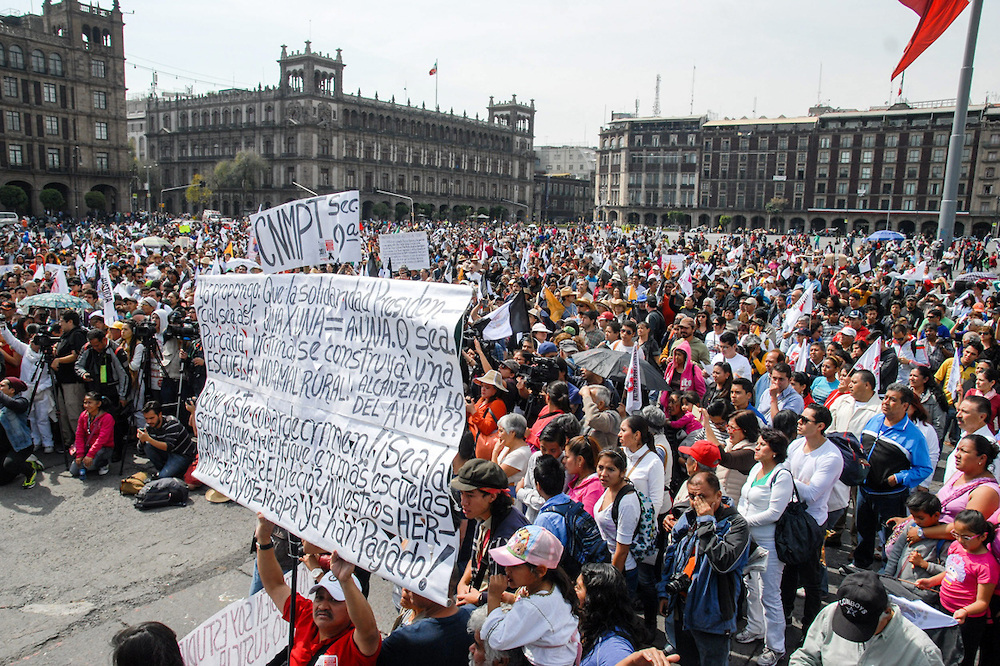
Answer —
215 497
492 378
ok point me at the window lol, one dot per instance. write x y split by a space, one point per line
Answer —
892 140
38 61
16 58
782 143
824 156
51 125
845 157
937 155
762 143
98 69
909 204
991 172
820 202
52 158
15 154
888 172
889 156
100 99
101 162
842 187
10 87
844 172
913 155
846 141
866 173
909 188
101 131
867 156
868 141
12 120
937 172
824 142
55 64
49 93
916 139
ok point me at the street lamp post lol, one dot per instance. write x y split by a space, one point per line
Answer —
413 217
149 201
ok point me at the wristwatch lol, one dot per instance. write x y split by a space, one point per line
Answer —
265 546
920 531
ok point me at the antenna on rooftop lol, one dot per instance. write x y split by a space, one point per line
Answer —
819 86
656 99
694 70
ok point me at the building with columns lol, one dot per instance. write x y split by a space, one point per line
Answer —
314 134
843 170
62 106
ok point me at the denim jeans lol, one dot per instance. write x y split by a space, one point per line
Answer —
102 459
808 576
646 592
167 464
700 648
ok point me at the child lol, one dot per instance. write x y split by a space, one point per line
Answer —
969 578
542 621
922 559
681 417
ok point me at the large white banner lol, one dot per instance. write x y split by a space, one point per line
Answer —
309 232
334 405
409 248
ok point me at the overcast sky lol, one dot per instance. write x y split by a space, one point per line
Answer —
579 60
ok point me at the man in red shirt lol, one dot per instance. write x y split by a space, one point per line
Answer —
337 622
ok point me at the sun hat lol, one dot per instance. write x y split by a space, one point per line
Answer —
492 378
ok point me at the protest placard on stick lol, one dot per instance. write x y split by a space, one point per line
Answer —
409 249
334 405
308 232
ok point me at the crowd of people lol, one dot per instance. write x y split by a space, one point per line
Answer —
782 382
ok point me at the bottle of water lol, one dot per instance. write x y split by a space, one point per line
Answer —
83 473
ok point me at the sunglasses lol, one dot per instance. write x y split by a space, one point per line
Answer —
803 419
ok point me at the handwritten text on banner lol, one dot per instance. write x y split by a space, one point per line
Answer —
408 248
309 232
334 405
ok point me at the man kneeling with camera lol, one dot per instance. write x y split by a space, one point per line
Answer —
167 443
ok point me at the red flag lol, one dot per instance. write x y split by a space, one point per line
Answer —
434 69
935 17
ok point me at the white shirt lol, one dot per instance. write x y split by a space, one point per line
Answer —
624 531
815 473
764 503
933 449
949 466
739 365
542 625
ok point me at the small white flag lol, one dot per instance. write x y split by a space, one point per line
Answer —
685 283
871 360
955 375
866 264
633 383
67 241
803 359
803 306
59 284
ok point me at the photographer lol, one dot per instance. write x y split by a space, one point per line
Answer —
102 372
69 387
35 375
168 445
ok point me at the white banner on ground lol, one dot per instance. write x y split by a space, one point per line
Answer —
334 405
248 632
410 249
308 232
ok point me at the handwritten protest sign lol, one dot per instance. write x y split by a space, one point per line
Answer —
246 632
334 405
308 232
410 249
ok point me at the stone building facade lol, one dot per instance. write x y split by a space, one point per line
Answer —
836 170
315 135
62 105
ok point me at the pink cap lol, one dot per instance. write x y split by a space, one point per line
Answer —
531 544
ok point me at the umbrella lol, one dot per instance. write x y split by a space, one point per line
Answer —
236 263
886 235
184 242
153 241
976 275
54 301
613 365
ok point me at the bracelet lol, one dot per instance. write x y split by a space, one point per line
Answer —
265 546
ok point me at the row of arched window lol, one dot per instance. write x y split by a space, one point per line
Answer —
13 57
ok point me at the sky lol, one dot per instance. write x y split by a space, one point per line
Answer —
579 60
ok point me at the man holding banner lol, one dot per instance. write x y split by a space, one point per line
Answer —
338 621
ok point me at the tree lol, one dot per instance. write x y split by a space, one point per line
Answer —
725 220
14 198
402 211
380 211
95 200
52 199
675 218
774 207
198 192
483 210
243 172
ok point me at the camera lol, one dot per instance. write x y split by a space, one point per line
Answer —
186 329
144 331
678 584
539 373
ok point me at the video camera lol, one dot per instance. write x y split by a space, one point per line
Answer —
186 329
539 373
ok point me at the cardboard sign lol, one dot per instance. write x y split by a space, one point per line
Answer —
308 232
410 249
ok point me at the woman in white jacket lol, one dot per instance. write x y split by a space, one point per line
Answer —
766 493
34 369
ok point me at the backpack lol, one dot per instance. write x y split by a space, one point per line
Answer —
162 492
133 484
585 543
855 465
797 536
644 540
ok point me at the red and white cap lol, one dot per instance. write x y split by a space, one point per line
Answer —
531 544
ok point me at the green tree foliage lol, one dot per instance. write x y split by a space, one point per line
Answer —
402 211
243 172
198 192
52 199
13 198
380 211
95 200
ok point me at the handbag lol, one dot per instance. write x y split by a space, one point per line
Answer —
797 536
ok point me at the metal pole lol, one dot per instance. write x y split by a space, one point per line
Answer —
303 187
953 170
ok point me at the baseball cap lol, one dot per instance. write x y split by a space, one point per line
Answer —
802 331
862 601
330 583
478 474
847 330
854 314
547 348
704 452
606 316
511 365
150 301
532 544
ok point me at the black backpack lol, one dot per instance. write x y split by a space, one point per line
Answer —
797 536
162 492
585 543
855 465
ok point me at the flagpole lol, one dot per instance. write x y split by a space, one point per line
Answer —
953 170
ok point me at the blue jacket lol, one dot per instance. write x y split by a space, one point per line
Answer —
14 421
721 547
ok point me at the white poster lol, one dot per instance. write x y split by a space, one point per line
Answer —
410 249
248 632
309 232
334 405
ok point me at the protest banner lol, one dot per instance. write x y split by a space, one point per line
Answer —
308 232
334 405
409 249
247 632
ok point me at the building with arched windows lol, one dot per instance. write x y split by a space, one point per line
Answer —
62 106
313 134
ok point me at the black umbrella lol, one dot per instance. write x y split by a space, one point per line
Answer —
612 364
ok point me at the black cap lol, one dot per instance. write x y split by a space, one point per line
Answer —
478 473
862 601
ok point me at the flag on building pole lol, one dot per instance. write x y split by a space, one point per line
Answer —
434 69
935 17
506 320
871 360
955 375
633 383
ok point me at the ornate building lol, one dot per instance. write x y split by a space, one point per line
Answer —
844 170
314 135
62 105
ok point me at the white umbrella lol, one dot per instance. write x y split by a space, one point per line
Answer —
236 263
152 241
